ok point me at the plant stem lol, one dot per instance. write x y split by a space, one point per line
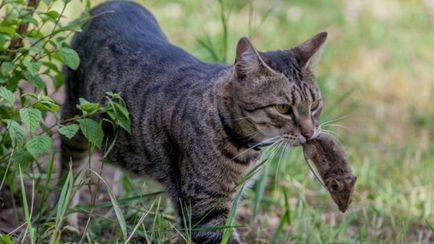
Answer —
223 19
16 43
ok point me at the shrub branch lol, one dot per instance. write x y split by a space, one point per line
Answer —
17 42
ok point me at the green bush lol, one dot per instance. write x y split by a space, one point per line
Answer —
33 47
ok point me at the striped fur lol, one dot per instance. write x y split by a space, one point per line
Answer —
192 122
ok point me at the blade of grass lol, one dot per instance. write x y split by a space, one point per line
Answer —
62 205
48 178
430 225
260 189
187 225
120 201
338 101
64 198
142 218
27 215
120 217
252 30
224 22
285 219
156 222
209 46
231 217
7 168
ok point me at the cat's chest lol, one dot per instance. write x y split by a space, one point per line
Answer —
243 168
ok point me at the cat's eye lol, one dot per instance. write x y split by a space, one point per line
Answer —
283 108
314 106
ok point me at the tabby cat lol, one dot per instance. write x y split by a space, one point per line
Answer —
197 128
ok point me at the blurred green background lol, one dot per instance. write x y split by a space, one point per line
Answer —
377 78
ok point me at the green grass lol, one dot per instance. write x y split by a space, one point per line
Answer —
376 76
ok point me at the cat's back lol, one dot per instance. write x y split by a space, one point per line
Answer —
124 21
126 31
123 49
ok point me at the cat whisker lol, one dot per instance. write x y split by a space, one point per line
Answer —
282 152
334 120
275 148
287 148
330 133
314 171
258 144
337 125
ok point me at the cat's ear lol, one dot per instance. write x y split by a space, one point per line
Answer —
309 52
247 59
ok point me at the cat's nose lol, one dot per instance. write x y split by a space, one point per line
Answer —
307 129
307 133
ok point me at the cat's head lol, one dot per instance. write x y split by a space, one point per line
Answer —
274 95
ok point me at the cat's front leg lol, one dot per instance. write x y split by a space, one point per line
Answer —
209 212
212 232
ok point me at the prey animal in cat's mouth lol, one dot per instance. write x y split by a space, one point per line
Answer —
333 168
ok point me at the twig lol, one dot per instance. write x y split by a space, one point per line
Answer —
17 42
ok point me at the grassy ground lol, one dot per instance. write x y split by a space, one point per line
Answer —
376 75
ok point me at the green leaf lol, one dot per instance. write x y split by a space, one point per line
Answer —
30 19
7 30
92 131
121 116
6 239
32 67
73 26
6 68
53 14
39 145
68 131
58 80
7 95
15 132
23 157
87 106
69 57
46 103
47 2
31 118
37 48
34 80
46 106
